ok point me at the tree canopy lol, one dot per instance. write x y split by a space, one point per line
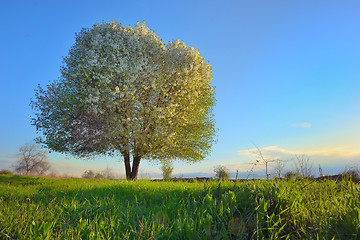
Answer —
122 90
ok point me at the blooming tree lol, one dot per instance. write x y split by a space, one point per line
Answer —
122 90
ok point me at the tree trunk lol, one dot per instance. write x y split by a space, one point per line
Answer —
131 173
127 165
266 170
135 167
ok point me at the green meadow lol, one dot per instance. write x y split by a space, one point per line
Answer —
46 208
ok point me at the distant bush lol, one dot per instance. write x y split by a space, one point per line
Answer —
221 172
53 174
92 174
108 173
193 180
88 174
291 175
5 172
99 175
352 174
167 170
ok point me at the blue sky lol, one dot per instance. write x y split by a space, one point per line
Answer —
286 74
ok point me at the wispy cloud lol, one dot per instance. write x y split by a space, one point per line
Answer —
301 125
267 152
340 152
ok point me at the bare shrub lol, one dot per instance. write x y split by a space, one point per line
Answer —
53 174
304 166
279 166
263 160
108 173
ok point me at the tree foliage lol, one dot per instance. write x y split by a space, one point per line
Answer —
5 172
122 90
222 172
31 160
91 174
167 169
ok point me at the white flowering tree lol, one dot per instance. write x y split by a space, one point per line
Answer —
123 91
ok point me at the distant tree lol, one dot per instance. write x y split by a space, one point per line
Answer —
252 170
31 160
108 173
291 175
167 169
221 172
263 160
5 172
92 174
303 165
279 166
122 90
53 174
98 175
88 174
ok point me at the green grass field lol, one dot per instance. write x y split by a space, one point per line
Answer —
44 208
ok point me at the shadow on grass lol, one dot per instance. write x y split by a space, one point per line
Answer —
135 209
17 180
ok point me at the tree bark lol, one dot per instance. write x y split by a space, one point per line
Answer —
127 165
135 167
